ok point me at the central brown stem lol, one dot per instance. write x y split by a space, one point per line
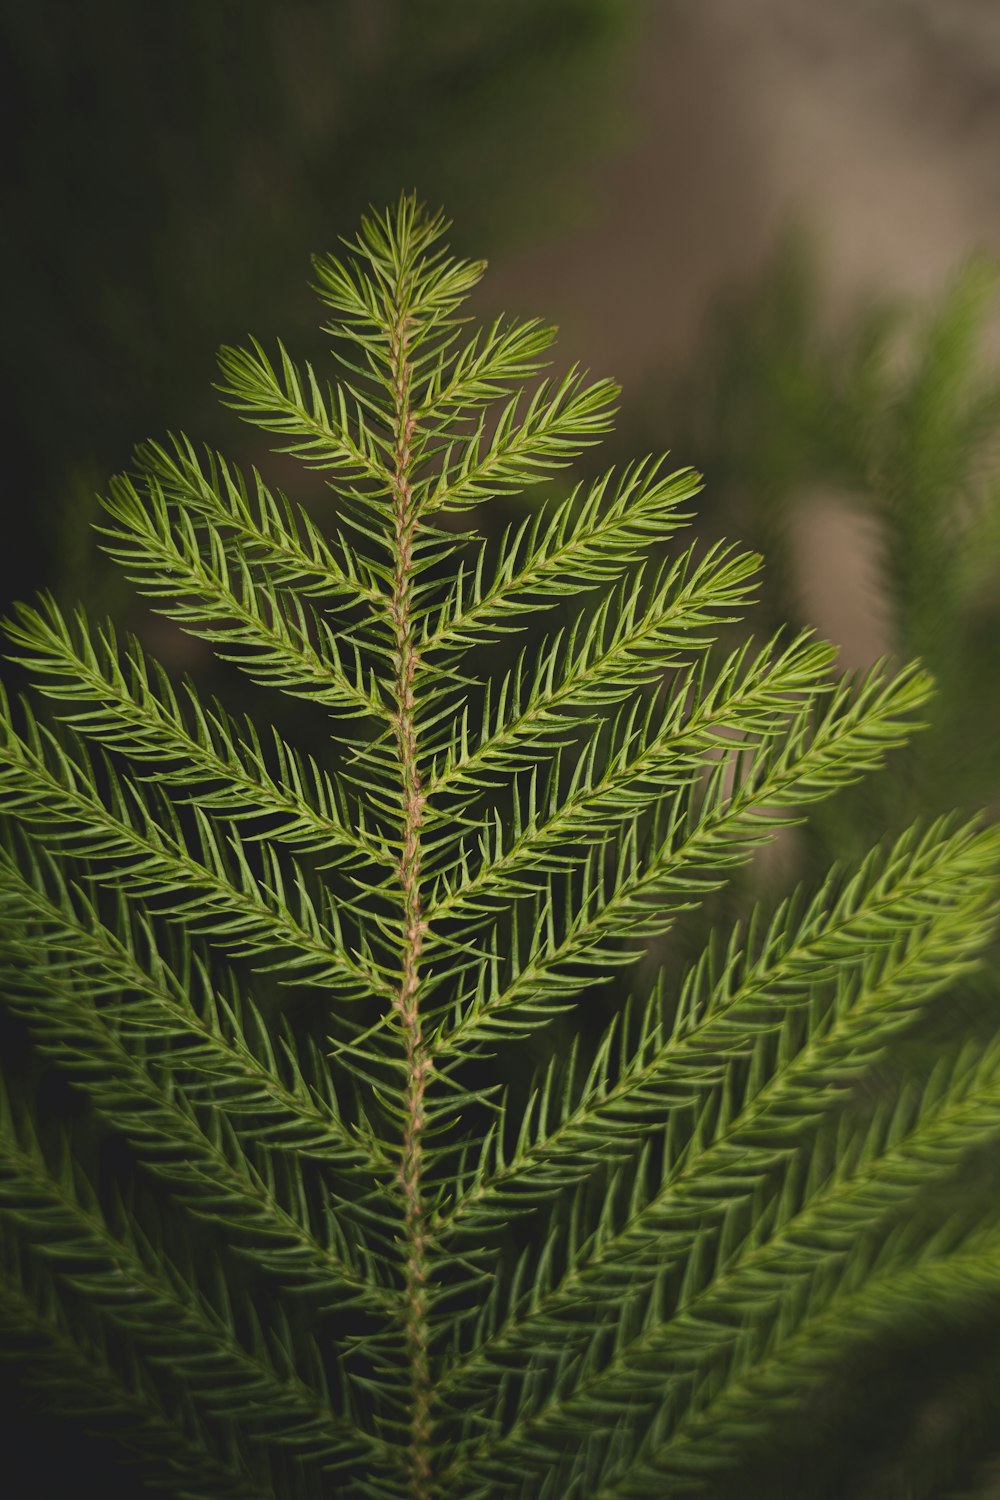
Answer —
413 930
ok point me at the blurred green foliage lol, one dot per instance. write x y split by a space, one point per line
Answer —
167 164
892 413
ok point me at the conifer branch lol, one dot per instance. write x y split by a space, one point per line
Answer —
556 423
87 1380
198 1158
322 433
636 766
707 833
484 835
266 528
155 1303
196 1033
741 1002
824 1206
872 1294
45 785
584 543
273 637
130 706
629 643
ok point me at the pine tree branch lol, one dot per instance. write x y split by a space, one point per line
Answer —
714 1183
483 370
582 544
759 1118
742 706
323 433
628 643
703 839
270 531
132 708
849 1185
80 1377
208 1170
940 893
155 1304
558 420
40 780
208 1044
270 634
770 1376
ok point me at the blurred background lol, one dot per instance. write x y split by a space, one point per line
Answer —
775 221
735 209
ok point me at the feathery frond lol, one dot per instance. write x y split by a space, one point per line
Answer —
359 1249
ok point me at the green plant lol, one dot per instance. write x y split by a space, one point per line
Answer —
894 413
330 1239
